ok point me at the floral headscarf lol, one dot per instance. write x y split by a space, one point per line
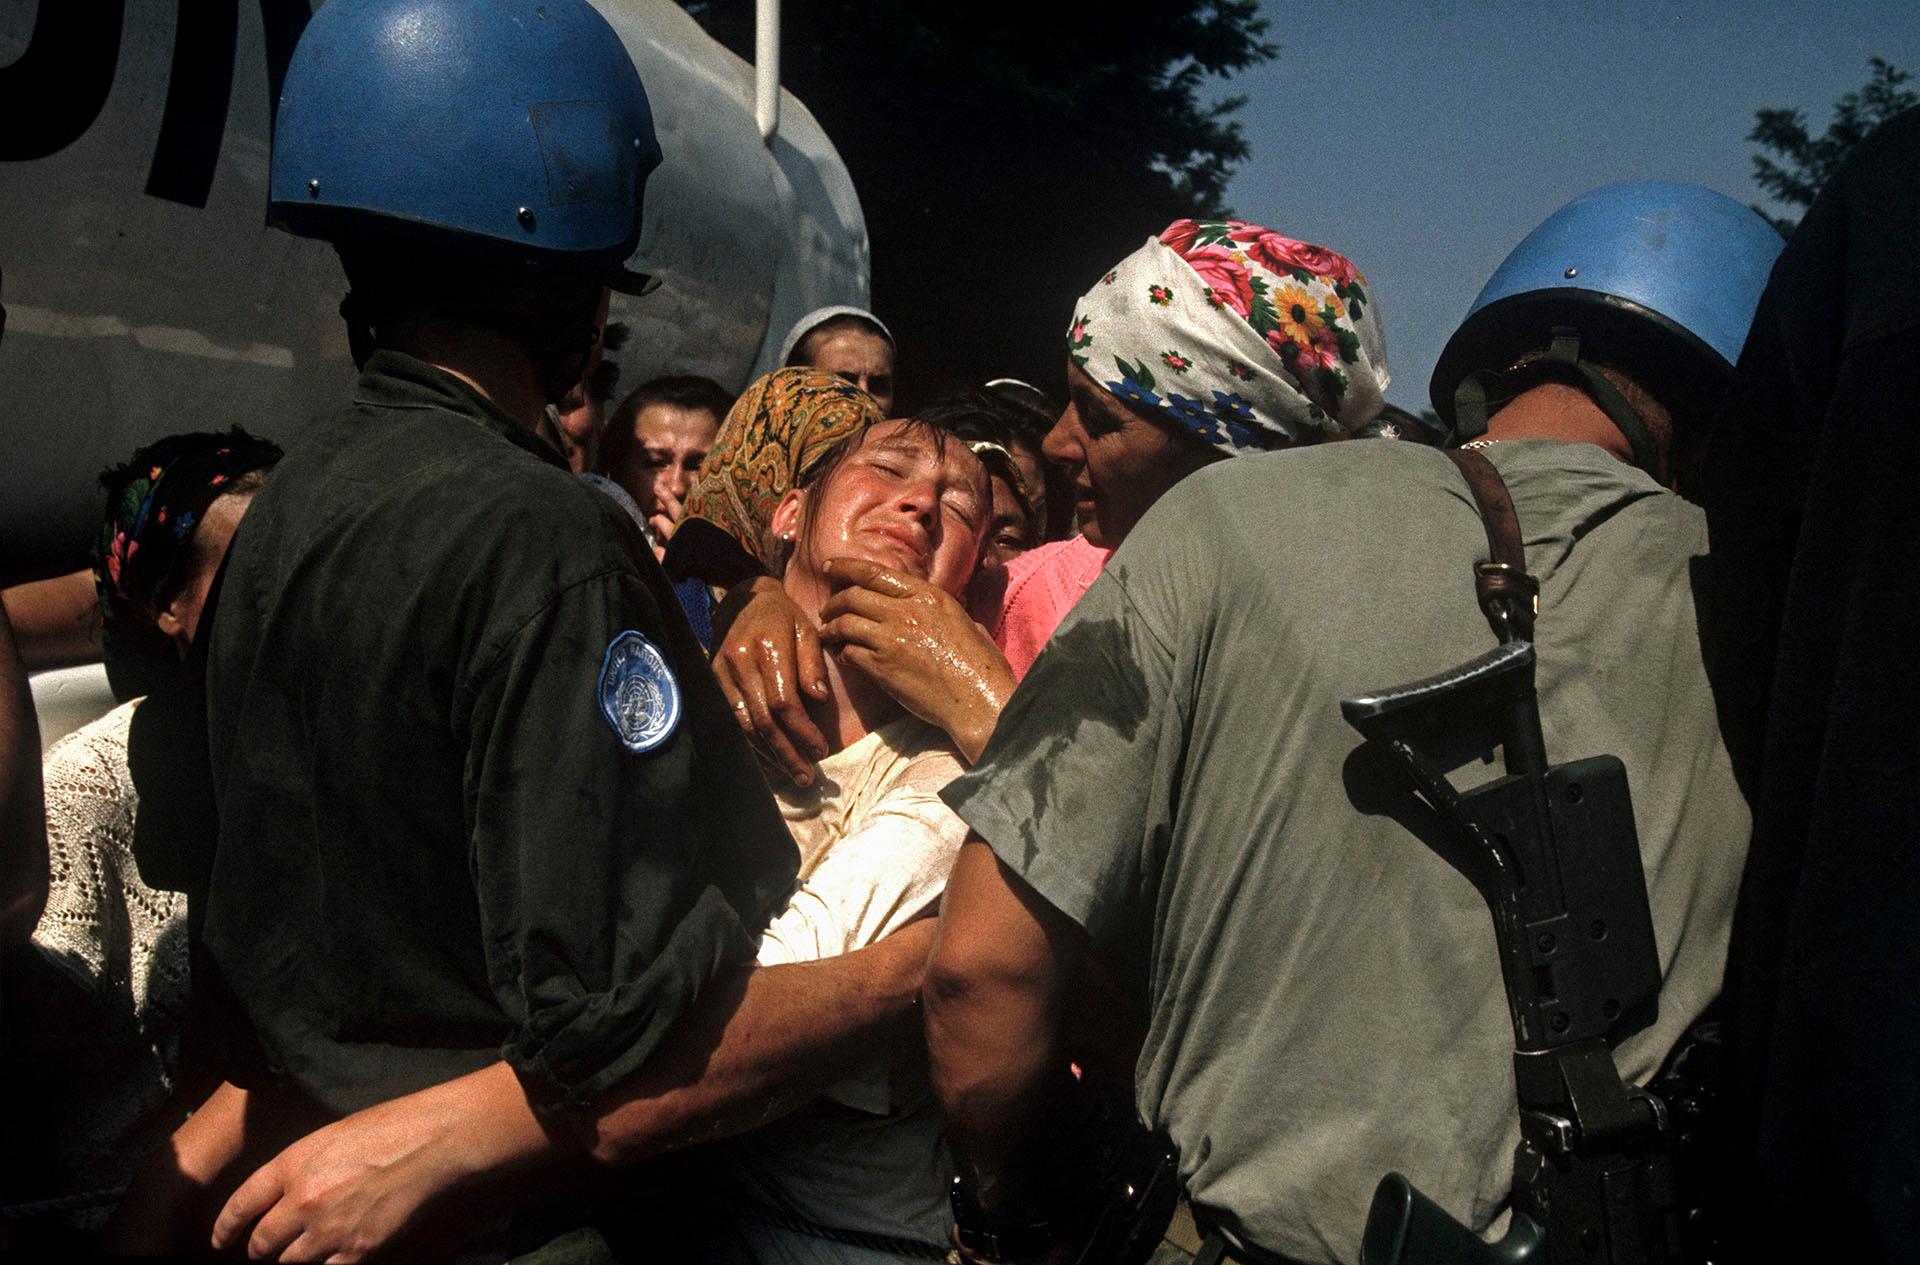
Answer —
154 503
777 431
1245 338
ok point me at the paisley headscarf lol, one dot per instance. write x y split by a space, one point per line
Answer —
780 427
1246 338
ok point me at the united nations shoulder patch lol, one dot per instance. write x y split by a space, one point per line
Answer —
638 694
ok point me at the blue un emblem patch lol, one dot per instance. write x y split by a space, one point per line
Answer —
638 694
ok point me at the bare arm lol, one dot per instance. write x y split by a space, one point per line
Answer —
786 1036
995 996
23 818
56 621
760 1044
399 1173
178 1188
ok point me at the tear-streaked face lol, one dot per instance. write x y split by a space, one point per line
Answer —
902 499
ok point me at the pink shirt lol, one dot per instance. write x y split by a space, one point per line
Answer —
1022 603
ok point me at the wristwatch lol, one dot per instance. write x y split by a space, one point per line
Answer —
991 1237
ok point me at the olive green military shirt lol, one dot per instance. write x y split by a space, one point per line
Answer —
1324 1001
479 794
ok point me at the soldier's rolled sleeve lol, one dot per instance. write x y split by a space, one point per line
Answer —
1073 791
605 899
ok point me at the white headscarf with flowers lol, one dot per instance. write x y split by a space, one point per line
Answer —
1248 339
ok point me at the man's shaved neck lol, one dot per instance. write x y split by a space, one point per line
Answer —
1554 410
485 359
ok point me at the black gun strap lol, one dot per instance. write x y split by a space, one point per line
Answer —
1509 597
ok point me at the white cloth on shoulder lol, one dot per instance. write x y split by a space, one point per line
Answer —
876 846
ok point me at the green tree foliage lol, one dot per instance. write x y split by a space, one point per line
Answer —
1007 153
1806 161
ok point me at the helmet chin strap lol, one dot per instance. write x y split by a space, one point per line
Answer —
1479 395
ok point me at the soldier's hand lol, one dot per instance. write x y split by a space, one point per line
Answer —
409 1179
768 661
347 1192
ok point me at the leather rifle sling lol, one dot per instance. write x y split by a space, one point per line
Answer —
1509 597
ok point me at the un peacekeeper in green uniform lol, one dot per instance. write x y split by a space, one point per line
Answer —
1174 784
493 855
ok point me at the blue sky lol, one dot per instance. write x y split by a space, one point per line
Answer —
1425 140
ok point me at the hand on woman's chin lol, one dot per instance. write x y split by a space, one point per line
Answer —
882 552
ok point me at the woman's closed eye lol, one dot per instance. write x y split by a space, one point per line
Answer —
964 507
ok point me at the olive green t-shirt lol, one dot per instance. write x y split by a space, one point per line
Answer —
1324 999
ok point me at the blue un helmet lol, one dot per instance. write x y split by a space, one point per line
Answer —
497 123
1656 278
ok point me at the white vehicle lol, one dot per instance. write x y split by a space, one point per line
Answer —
145 294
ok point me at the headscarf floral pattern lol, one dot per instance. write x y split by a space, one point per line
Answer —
778 429
1246 338
154 505
155 501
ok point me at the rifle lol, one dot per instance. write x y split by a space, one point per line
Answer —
1553 851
